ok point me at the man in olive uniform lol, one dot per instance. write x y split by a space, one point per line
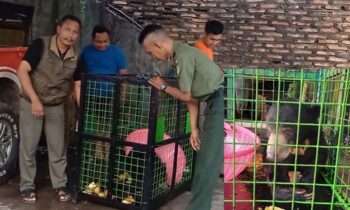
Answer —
201 87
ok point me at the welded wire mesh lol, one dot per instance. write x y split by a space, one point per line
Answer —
134 148
93 166
98 107
129 175
249 95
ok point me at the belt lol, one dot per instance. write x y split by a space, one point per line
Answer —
214 95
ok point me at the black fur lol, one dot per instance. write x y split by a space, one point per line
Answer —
313 134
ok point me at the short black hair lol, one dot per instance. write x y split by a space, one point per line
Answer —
99 29
214 27
147 30
70 17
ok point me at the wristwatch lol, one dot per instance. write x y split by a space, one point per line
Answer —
163 87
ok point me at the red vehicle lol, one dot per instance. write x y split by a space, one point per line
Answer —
13 32
10 90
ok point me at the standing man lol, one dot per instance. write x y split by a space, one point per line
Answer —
200 80
100 57
46 74
211 37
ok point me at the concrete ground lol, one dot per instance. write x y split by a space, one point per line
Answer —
46 200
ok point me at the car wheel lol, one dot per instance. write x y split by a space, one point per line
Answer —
9 142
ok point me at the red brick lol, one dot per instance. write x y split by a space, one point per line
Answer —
275 34
282 23
307 52
297 12
329 30
276 11
326 2
306 41
260 22
274 45
189 5
208 5
328 41
274 56
226 15
280 51
265 39
336 47
235 32
254 10
311 58
268 6
267 28
309 30
343 65
317 64
295 35
244 16
316 36
259 50
340 60
332 7
246 27
325 53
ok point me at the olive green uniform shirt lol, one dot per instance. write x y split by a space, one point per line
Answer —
195 72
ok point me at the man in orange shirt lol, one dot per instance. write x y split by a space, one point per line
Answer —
211 37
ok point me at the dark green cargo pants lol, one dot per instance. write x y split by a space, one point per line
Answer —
210 157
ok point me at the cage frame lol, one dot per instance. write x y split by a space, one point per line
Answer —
149 148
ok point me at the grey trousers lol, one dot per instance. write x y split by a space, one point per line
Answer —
210 157
30 132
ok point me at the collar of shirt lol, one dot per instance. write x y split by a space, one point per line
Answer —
69 54
172 58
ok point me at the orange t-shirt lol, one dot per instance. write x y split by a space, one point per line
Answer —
206 50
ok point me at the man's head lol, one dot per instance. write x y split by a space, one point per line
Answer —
156 41
213 33
68 30
100 37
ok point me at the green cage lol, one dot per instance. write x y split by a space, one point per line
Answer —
134 148
249 95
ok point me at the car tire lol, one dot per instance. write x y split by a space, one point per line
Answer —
9 142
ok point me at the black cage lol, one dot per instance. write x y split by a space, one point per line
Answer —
134 148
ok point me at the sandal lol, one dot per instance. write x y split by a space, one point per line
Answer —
28 196
62 194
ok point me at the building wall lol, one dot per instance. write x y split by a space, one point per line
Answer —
289 34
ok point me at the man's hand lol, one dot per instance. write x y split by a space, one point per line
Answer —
194 139
37 108
156 82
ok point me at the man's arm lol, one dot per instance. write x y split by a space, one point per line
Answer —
77 88
192 106
23 75
81 68
173 91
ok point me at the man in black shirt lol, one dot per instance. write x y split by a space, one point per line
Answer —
46 74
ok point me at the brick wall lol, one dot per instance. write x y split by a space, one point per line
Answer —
289 34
